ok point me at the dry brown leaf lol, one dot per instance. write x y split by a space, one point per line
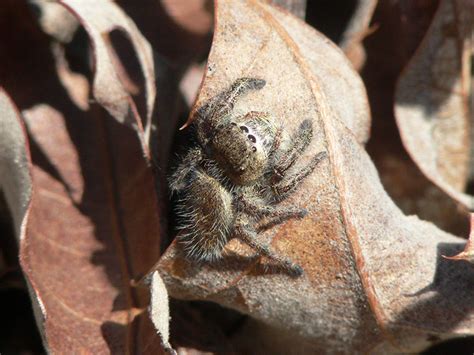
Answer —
191 83
99 18
333 70
432 101
93 220
373 279
92 228
468 252
402 26
180 33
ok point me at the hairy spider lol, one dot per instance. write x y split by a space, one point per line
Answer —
229 185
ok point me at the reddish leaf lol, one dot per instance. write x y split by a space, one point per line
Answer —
93 217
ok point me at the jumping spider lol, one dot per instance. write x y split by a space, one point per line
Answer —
229 185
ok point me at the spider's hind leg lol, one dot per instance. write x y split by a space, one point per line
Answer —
205 217
180 176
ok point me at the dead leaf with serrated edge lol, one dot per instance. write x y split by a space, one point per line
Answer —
359 292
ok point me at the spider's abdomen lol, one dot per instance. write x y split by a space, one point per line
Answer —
206 217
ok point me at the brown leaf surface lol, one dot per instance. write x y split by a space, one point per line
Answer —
332 69
99 18
373 279
93 217
432 101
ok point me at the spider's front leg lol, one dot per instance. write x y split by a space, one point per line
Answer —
283 180
285 158
287 186
249 236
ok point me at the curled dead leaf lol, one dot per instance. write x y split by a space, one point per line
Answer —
99 18
359 252
432 102
15 178
55 20
92 222
402 26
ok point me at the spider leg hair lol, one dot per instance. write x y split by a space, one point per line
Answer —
287 186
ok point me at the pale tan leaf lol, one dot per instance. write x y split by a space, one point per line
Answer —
159 308
15 175
432 101
55 20
99 18
374 280
15 178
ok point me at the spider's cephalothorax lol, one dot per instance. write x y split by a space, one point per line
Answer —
230 184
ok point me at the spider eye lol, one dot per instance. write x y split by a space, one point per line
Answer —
233 124
252 138
245 129
254 149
